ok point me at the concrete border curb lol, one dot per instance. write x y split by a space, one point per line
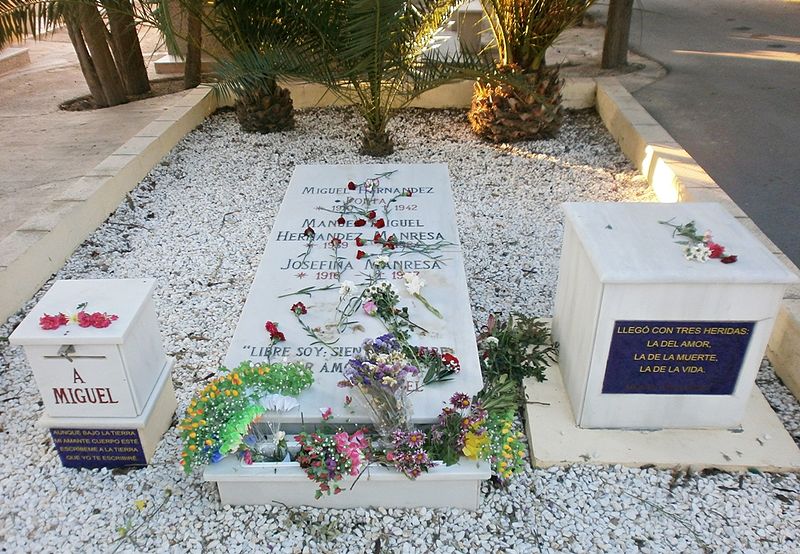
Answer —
676 177
13 58
41 245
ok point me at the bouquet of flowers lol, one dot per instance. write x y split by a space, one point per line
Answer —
381 374
327 459
407 453
460 429
221 413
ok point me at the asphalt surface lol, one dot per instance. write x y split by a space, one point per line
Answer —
731 98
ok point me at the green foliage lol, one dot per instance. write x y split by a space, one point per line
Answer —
523 30
374 54
19 18
520 347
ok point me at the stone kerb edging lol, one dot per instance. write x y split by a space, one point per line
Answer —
676 177
41 245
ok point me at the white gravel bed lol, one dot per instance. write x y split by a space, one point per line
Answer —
199 223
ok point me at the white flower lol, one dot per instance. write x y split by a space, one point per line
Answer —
697 252
381 261
279 436
491 341
345 288
414 283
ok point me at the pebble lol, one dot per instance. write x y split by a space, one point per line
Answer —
198 223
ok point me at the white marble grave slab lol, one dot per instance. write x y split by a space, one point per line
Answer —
427 216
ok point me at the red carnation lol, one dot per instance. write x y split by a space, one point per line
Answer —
451 362
371 214
341 220
271 327
336 242
377 239
729 259
360 222
50 322
309 232
299 309
278 337
351 185
360 254
717 250
380 224
408 193
359 241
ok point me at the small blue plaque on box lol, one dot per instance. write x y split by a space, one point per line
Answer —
676 357
93 448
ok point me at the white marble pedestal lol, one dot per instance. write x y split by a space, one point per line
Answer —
649 339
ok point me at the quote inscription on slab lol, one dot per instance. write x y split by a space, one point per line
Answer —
416 205
93 448
676 357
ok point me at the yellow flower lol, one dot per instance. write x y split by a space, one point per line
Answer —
140 504
209 442
474 444
192 435
235 393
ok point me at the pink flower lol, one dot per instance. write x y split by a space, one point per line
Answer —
326 413
370 307
247 457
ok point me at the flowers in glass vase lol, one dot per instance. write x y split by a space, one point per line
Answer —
381 374
327 459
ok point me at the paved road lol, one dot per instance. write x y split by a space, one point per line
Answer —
732 98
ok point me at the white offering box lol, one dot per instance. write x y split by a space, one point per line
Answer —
90 372
427 216
649 339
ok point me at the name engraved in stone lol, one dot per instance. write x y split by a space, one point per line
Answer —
83 395
380 190
410 236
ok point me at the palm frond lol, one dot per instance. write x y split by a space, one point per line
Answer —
21 18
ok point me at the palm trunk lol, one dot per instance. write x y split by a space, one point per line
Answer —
127 50
85 59
192 69
618 28
94 33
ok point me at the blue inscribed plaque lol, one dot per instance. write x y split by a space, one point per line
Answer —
93 448
676 357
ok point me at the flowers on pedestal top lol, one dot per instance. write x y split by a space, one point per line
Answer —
98 320
699 248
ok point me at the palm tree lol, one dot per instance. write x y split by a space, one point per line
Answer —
103 34
239 29
523 30
375 54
